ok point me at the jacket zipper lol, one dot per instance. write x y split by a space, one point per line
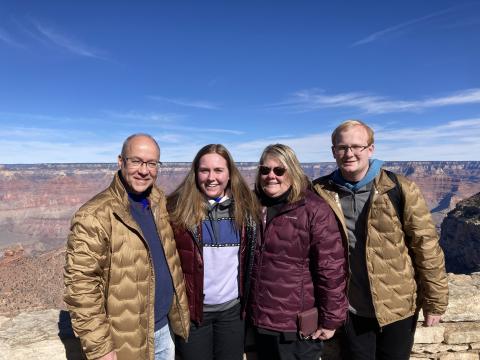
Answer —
265 228
197 239
152 272
250 235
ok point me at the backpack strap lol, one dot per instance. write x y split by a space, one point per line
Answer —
396 196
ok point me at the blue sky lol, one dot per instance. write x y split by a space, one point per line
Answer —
77 77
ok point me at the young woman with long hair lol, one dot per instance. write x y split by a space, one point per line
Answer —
213 214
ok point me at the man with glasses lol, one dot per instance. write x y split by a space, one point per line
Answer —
396 264
124 284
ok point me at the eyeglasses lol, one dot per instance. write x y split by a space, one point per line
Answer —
342 149
135 163
277 170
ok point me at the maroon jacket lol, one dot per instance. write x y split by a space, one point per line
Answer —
300 262
189 246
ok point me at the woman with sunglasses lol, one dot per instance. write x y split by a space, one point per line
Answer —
299 262
212 213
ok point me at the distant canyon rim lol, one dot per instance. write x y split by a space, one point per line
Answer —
38 201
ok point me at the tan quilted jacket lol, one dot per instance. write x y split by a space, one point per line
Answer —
391 270
109 278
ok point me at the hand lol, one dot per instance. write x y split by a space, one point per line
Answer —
431 319
112 355
323 334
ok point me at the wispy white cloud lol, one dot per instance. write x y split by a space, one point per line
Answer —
458 131
45 138
171 138
212 82
28 152
169 122
21 117
66 42
9 40
195 130
455 140
470 96
199 104
45 146
398 28
38 134
312 147
310 100
152 118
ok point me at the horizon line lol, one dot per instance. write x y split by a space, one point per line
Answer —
236 162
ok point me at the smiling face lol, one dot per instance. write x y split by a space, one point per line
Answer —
212 175
274 185
140 178
353 166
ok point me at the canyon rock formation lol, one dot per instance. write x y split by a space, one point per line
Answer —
460 237
38 201
31 282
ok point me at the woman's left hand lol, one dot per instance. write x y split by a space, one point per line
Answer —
323 334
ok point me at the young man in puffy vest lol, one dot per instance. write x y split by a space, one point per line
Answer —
396 265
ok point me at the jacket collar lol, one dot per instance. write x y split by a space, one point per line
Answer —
122 207
383 183
292 206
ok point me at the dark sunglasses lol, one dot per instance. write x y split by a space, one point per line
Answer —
277 170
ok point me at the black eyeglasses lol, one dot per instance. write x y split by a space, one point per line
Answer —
277 170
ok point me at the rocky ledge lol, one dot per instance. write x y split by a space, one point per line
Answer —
457 337
46 334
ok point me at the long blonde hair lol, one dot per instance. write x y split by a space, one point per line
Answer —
295 173
187 204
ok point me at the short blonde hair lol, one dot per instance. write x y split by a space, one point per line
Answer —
349 124
287 157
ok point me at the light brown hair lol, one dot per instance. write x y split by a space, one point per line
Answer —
187 204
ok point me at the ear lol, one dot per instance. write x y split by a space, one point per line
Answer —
333 151
120 161
371 149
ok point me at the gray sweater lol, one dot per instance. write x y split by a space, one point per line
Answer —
355 208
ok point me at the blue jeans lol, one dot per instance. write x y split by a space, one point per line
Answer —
164 346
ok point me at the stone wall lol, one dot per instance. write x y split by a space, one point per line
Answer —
45 335
458 337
